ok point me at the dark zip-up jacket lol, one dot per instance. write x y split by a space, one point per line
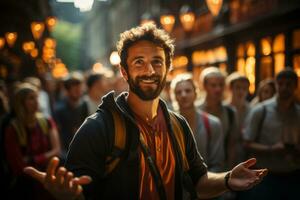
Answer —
94 141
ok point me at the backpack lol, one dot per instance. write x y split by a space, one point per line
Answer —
120 141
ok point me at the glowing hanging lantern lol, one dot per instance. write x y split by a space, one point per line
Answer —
11 38
214 6
37 29
51 22
187 18
167 21
114 58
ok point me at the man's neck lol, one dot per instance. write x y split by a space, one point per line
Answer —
147 110
188 113
284 104
212 104
239 104
95 98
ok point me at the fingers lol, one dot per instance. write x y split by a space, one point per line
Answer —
51 168
68 180
84 180
249 163
40 176
60 176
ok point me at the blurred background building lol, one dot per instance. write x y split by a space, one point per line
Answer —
255 37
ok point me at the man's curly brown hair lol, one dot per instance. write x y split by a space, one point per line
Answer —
148 32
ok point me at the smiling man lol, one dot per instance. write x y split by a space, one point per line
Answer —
153 165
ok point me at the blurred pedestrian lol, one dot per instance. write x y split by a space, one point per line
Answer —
207 128
272 134
30 139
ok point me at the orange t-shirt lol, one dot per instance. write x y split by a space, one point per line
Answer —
156 136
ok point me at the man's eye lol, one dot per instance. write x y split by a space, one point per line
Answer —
138 62
157 62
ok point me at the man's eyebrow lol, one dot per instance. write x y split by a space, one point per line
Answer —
158 57
137 57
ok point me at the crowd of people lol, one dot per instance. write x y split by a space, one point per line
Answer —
41 125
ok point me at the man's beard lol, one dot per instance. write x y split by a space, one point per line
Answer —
149 93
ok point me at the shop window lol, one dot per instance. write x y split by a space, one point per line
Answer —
246 62
216 57
278 50
296 39
266 48
266 67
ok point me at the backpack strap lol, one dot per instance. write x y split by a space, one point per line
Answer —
230 114
261 122
208 130
119 143
179 135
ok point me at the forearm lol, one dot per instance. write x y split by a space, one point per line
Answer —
211 185
257 147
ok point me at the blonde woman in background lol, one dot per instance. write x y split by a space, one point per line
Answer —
206 128
30 139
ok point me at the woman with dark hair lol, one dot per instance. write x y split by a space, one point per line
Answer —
30 139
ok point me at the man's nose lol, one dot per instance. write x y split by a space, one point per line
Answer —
150 69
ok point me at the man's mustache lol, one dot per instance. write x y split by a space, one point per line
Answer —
153 78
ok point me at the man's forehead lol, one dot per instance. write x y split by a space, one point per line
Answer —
145 45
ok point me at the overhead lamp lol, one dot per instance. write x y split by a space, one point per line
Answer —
51 22
167 21
11 38
187 18
37 29
214 6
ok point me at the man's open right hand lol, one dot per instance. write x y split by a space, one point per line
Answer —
59 182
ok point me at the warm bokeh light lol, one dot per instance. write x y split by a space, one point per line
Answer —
220 54
167 22
2 42
97 67
114 58
37 29
34 53
279 43
199 58
266 48
180 61
250 49
214 6
50 43
28 46
279 60
60 70
11 38
187 20
51 22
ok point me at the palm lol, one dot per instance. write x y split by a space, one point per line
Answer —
59 182
244 178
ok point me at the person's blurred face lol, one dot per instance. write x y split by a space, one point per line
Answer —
100 87
185 94
75 92
267 92
286 88
146 70
239 89
214 87
31 103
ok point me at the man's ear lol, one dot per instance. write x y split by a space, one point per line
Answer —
124 73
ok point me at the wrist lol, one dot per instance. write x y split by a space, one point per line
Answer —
226 179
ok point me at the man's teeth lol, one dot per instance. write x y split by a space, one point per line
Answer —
148 81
